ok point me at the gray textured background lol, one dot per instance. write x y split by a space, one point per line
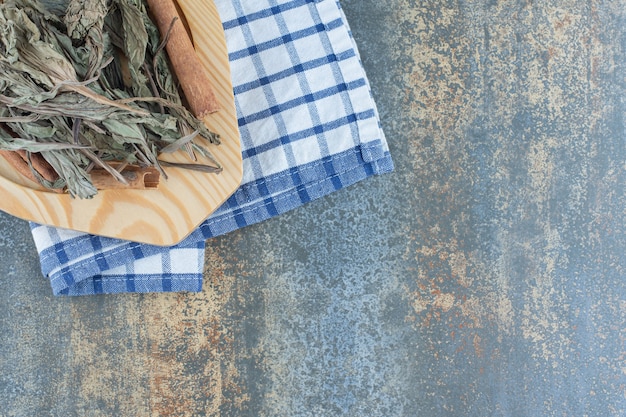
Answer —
485 277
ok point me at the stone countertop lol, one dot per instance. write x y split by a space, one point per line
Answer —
485 276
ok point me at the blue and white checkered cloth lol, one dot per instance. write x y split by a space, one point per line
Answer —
308 127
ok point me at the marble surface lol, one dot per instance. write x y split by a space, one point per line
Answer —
485 276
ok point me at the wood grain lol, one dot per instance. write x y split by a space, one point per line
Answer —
166 215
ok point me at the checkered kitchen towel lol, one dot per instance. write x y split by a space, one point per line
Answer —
308 127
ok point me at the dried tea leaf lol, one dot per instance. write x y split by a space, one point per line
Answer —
85 82
74 176
15 144
83 16
124 131
179 143
135 35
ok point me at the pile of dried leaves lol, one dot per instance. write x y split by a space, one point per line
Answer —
87 82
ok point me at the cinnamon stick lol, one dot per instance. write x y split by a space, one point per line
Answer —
137 178
19 164
19 161
193 79
40 165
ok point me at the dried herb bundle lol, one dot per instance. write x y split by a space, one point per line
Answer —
88 84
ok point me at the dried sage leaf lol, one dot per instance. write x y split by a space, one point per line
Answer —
85 83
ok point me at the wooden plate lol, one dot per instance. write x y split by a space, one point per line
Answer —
166 215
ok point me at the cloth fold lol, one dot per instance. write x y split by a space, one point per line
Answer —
308 126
